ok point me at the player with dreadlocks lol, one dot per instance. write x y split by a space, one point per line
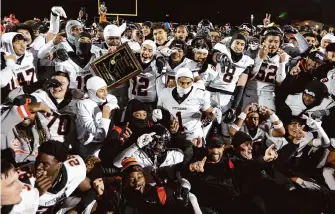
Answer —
24 130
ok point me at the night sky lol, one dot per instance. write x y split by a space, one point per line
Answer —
192 11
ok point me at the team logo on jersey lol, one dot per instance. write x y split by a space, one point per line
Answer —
179 108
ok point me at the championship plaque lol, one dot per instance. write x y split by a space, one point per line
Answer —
118 67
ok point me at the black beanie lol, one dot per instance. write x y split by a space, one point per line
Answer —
331 47
84 34
133 106
318 90
240 138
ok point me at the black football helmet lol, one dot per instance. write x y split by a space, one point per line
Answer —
161 141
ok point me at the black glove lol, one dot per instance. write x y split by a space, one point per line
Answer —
160 63
52 83
61 55
228 116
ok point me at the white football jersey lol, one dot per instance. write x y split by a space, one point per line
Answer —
29 202
59 125
265 77
78 75
329 81
143 86
23 73
187 113
76 173
226 79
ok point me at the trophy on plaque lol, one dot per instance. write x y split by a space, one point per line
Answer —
118 67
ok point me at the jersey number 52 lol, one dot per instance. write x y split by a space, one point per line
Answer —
267 73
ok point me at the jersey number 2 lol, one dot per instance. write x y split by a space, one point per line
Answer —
141 88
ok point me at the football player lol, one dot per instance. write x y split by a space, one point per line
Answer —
233 68
17 68
55 174
185 103
16 197
144 86
269 70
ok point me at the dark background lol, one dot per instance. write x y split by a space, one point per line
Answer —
217 11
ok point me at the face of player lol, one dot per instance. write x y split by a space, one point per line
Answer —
137 36
330 56
292 128
310 64
28 121
76 30
185 82
113 41
307 99
20 47
49 164
215 37
177 55
146 53
181 33
325 43
136 181
26 35
200 56
160 36
146 30
171 82
215 153
273 43
311 41
252 121
59 93
293 42
100 33
141 115
11 188
246 150
102 93
238 45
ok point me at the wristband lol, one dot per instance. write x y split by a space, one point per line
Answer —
274 117
236 127
242 116
299 181
278 126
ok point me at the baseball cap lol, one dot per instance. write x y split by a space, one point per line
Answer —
215 140
317 56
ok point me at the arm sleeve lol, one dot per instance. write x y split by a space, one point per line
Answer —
45 50
281 73
85 119
7 73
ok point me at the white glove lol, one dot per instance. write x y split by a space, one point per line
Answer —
157 115
59 11
313 123
112 104
218 114
310 185
167 51
145 139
